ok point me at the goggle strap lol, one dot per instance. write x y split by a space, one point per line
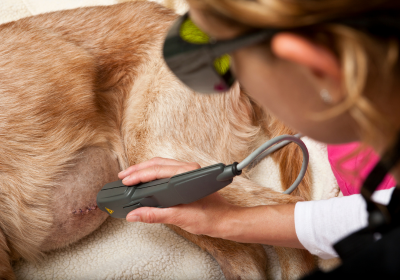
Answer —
223 47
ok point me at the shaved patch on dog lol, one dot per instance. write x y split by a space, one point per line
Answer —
74 208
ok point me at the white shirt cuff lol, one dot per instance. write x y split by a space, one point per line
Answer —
320 224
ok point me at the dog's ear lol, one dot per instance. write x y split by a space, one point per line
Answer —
6 271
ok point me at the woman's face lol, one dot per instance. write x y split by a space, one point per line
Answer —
289 90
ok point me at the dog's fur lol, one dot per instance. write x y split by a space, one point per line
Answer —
85 93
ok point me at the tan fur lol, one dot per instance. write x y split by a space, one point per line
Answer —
86 91
5 261
294 263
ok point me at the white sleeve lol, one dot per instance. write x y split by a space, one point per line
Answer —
320 224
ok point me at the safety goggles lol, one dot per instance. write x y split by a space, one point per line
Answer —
201 63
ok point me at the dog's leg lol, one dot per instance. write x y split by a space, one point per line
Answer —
294 263
329 264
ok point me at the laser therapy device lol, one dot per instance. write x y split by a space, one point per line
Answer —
118 200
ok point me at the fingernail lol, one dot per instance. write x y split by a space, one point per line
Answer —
122 172
126 178
133 218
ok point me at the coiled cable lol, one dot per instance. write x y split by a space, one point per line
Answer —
268 148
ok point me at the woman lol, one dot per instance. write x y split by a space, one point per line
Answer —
330 70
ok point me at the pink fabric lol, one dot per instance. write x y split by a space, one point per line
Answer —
344 172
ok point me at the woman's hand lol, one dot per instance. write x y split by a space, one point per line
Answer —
200 217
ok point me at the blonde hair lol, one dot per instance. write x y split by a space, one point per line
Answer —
364 59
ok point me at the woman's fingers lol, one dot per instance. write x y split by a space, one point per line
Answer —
155 171
149 163
200 217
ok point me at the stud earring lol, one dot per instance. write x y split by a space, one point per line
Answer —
325 96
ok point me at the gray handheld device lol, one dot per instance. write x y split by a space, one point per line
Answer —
118 200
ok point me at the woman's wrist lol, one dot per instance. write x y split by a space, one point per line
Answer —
236 223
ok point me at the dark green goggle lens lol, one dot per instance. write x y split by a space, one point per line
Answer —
190 33
187 54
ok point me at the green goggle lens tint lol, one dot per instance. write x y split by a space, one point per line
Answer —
222 64
190 33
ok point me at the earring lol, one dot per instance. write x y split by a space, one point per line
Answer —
325 96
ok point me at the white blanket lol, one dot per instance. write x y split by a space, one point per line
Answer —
11 10
121 250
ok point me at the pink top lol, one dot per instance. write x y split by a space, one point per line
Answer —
351 173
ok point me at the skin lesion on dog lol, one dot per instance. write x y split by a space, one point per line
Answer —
86 210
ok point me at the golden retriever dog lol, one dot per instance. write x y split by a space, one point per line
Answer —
84 94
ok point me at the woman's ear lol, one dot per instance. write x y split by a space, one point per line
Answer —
295 48
321 62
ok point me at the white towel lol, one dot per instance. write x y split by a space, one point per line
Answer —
45 6
11 10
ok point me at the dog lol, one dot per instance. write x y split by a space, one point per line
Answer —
84 94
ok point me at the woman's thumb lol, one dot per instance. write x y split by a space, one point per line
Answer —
150 215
